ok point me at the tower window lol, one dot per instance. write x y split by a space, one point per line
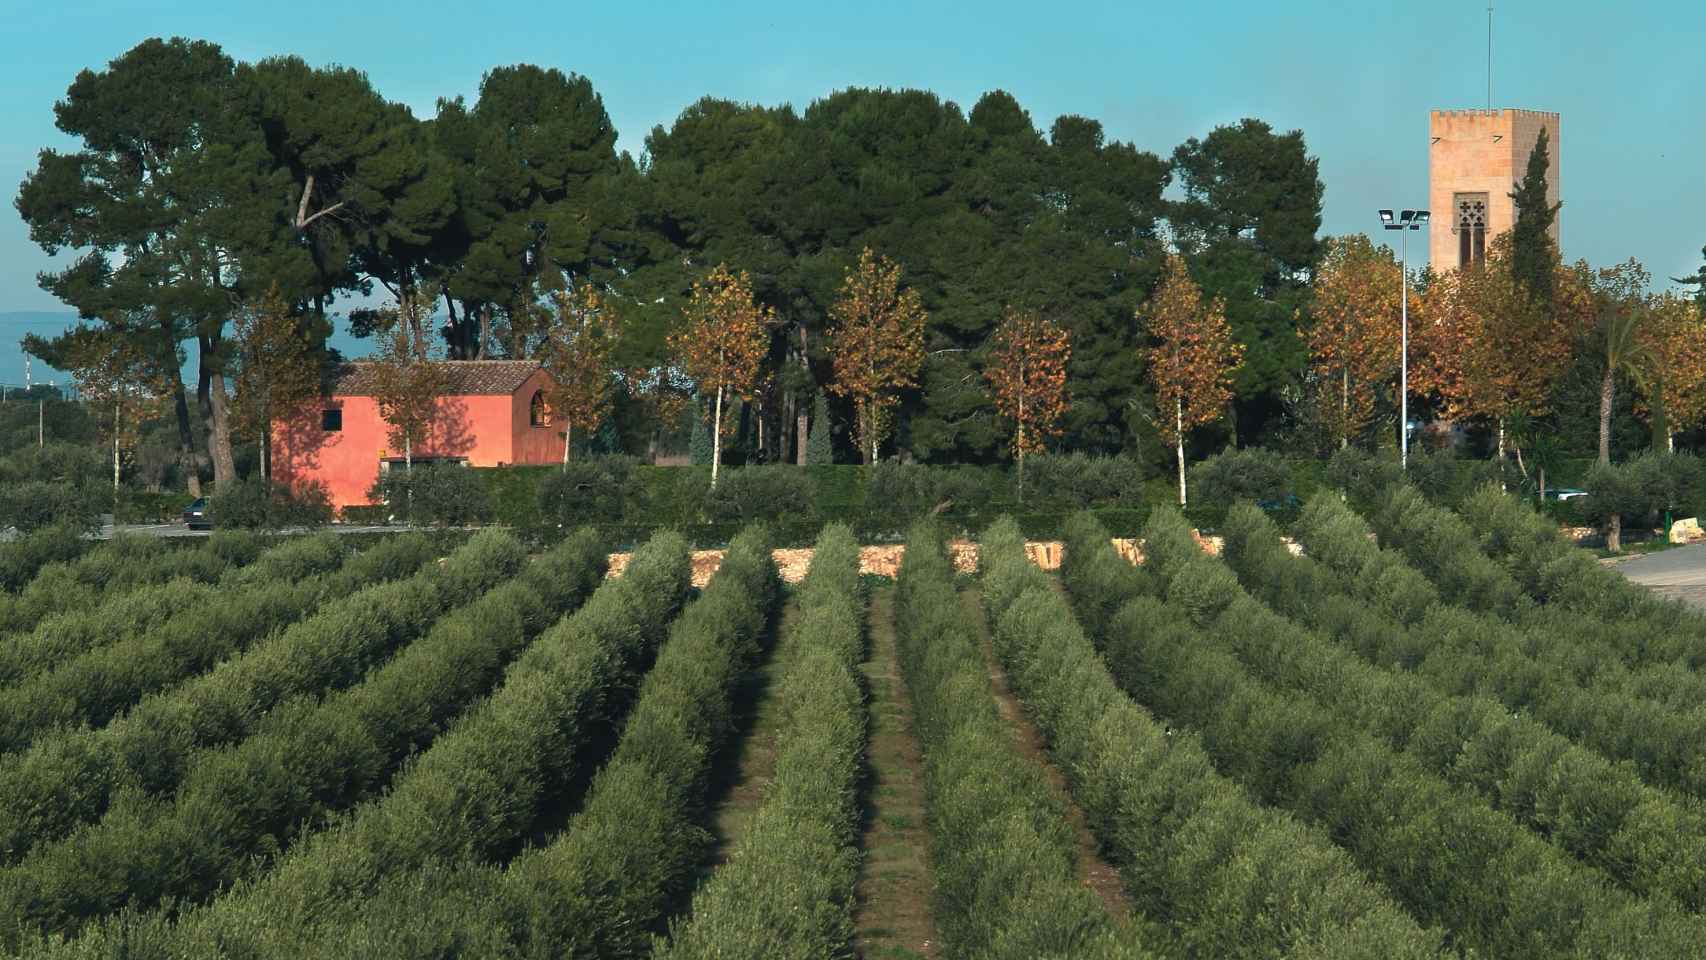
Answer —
538 414
332 420
1470 225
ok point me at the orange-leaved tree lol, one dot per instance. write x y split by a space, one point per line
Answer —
1193 361
1027 369
1488 348
877 344
1675 341
579 341
116 379
409 375
277 368
1354 341
722 342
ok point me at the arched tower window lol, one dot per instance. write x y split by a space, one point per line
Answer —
1469 222
538 414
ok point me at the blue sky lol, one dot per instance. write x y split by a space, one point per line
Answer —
1357 78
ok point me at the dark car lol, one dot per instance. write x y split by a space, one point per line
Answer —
196 516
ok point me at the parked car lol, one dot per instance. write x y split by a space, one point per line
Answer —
196 516
1564 493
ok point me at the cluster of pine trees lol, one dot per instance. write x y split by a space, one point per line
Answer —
239 211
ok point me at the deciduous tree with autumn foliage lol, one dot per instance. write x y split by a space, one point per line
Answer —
408 374
1354 341
1488 348
277 368
121 384
579 341
722 343
1027 371
1674 338
877 344
1193 361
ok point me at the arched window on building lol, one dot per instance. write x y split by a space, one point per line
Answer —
538 414
1470 224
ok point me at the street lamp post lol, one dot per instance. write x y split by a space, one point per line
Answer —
1406 221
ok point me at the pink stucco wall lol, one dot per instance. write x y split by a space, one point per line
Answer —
488 430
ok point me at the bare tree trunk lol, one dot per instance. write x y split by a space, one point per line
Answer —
1501 456
1614 533
1345 408
1542 472
266 452
219 434
717 438
1606 388
568 442
485 331
116 411
1179 433
186 441
802 434
1670 439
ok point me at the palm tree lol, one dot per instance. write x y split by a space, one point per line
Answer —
1622 309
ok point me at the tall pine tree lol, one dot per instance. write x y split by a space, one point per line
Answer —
1533 254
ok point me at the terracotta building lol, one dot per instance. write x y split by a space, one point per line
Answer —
1475 160
493 414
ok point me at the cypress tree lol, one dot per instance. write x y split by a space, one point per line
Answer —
1532 250
699 441
819 450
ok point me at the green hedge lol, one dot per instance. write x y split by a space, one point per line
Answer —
67 776
602 885
1002 855
1151 796
1600 812
236 805
788 887
1447 856
23 558
474 794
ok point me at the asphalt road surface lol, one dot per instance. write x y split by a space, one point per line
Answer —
1679 572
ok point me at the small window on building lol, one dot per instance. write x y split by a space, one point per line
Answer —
1470 224
332 419
538 414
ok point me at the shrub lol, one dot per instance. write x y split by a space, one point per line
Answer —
1101 579
753 494
1363 477
474 792
446 495
1235 475
23 558
264 505
1074 481
239 803
40 800
1230 877
589 490
1000 849
788 888
31 505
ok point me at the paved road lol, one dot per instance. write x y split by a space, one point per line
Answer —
1679 572
179 530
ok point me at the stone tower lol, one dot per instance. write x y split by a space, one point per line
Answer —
1476 158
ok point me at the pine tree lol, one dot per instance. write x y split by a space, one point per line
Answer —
1532 250
820 450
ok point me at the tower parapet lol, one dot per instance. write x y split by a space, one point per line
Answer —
1475 159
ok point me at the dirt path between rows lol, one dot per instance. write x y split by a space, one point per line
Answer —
892 914
743 772
1093 871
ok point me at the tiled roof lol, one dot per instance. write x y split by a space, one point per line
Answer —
467 377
